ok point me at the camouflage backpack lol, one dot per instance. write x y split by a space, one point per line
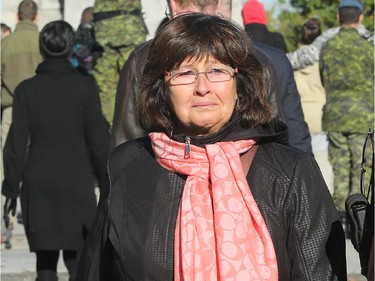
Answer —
119 27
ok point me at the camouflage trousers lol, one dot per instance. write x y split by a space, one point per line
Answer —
345 156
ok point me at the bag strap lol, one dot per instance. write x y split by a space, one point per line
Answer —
247 158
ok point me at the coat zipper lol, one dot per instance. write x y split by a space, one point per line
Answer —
187 147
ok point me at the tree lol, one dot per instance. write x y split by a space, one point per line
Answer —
289 21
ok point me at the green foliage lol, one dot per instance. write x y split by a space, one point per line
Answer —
289 21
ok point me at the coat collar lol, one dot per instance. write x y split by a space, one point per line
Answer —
256 27
275 131
26 25
59 65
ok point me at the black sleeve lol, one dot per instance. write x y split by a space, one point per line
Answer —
316 243
299 135
288 96
96 256
96 132
281 43
15 149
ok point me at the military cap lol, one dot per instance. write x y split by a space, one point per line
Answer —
351 3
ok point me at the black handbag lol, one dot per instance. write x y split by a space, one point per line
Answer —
360 210
356 208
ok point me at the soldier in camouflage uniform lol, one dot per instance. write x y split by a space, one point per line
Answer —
347 68
119 28
309 55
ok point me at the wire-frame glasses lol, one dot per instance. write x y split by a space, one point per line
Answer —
189 76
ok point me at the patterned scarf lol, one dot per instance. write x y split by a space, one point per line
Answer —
220 232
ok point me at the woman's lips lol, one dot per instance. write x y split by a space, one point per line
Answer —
204 105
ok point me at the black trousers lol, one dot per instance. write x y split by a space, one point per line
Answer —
46 264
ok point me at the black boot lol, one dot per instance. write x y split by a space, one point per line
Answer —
46 275
345 224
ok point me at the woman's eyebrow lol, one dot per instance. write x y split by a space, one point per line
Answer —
187 66
208 63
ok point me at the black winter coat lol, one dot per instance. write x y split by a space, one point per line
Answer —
133 237
56 148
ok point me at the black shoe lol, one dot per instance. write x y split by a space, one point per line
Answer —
8 245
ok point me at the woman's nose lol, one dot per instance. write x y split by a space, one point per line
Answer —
202 86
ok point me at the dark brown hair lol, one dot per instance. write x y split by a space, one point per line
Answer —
56 39
349 15
310 30
198 36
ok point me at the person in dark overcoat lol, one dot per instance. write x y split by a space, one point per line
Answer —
55 154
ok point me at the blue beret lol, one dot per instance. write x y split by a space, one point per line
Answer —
351 3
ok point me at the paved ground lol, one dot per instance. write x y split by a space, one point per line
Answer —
18 264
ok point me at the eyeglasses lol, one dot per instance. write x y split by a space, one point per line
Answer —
189 76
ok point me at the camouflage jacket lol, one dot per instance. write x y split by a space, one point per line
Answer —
347 72
303 57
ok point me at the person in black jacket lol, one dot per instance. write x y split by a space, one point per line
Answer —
55 153
212 192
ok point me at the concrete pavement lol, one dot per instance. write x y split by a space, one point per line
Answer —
18 264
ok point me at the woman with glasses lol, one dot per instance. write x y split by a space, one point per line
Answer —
213 192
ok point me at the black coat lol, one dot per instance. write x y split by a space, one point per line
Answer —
57 145
133 237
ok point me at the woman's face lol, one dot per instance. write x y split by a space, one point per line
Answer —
202 107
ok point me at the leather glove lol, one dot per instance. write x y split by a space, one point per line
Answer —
10 206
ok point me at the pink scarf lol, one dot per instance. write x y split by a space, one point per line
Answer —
220 232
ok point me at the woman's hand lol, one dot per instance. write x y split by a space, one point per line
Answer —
10 206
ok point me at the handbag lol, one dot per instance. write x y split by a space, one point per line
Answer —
360 210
